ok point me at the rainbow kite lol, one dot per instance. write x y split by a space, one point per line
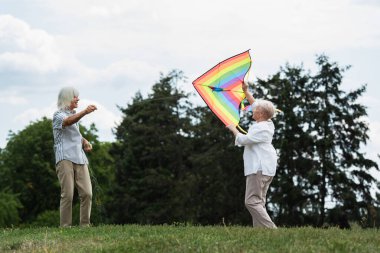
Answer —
221 87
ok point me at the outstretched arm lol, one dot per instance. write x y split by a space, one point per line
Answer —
248 94
76 117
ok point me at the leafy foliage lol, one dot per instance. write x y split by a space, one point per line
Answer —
9 209
150 154
28 168
102 175
28 162
217 170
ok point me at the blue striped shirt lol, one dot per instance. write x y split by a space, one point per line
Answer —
67 140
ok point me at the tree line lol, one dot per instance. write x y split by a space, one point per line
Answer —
174 162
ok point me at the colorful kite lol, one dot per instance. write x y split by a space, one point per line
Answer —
221 88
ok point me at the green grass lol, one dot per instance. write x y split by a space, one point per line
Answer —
135 238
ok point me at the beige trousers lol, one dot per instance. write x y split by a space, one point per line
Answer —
70 174
255 198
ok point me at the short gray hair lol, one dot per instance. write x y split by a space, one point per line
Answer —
65 97
266 106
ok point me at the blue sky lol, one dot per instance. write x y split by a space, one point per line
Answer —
111 49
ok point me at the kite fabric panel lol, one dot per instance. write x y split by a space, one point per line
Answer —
221 87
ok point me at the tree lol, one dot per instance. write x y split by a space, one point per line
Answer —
318 140
9 209
218 182
291 193
338 130
101 172
27 168
28 163
150 156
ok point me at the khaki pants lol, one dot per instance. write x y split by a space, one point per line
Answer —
70 174
255 197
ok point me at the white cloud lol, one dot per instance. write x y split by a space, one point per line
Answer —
26 49
106 11
38 59
374 139
103 118
33 114
13 100
370 101
137 72
314 23
194 35
369 2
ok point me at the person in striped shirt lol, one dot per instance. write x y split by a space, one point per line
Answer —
70 158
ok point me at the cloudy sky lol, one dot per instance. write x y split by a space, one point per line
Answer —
111 49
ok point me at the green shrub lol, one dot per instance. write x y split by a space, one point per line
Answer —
9 209
49 218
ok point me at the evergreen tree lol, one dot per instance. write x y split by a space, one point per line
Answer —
218 183
338 130
291 194
318 141
151 156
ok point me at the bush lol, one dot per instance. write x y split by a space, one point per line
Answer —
9 209
48 218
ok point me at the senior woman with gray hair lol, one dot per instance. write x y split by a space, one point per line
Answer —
260 159
70 159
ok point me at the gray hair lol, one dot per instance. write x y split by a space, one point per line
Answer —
65 97
266 106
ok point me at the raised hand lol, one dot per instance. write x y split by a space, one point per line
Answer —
244 86
91 108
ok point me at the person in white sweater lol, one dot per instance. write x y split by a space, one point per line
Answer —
260 158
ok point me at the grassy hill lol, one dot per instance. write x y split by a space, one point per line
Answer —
183 238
